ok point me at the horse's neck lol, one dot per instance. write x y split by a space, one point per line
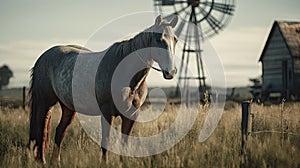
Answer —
127 47
139 41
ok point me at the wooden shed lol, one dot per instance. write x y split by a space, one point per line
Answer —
281 61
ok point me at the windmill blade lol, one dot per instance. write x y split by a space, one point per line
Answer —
224 8
168 2
164 2
180 28
213 22
170 16
183 21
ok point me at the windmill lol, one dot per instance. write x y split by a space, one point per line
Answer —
199 19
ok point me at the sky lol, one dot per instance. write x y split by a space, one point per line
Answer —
29 27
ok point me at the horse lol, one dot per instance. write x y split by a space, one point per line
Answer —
51 82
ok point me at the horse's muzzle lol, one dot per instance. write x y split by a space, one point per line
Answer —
169 74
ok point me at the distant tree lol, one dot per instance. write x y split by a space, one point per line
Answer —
5 75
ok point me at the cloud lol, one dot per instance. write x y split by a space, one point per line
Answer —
20 56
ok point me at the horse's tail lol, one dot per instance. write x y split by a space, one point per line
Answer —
41 99
38 111
39 107
33 110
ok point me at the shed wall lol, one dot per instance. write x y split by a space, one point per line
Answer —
277 64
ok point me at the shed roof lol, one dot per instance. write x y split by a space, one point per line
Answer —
291 34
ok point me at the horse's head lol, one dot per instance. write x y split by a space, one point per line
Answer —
164 40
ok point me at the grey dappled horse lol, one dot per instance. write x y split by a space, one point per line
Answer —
51 82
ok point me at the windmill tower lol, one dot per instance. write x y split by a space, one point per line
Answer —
199 19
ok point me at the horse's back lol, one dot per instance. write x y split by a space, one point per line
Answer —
57 54
52 72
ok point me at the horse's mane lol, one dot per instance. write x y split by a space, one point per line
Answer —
126 47
119 50
139 41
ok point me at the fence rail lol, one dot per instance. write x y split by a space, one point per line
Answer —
280 132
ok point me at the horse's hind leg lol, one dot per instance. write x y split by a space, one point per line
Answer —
42 135
48 128
61 130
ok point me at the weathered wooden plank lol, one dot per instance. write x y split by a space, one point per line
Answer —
272 65
276 47
297 66
273 74
277 54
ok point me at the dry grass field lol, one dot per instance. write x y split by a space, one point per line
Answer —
222 149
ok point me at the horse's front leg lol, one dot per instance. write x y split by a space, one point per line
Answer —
127 124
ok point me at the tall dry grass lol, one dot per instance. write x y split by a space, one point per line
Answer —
222 149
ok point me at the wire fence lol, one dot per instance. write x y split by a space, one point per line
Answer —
281 121
277 121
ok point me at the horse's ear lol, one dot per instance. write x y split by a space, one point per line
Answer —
174 21
158 20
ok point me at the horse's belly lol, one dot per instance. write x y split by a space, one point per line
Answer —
82 84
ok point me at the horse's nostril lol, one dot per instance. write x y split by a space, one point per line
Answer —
169 74
173 72
166 72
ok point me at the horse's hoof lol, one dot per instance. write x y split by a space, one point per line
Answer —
55 161
41 161
55 164
104 159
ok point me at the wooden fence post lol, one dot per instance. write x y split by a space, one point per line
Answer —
245 122
246 126
282 122
250 123
24 97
